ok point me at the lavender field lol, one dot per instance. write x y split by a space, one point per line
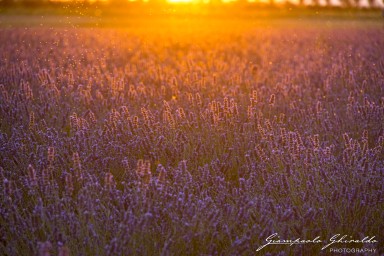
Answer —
192 138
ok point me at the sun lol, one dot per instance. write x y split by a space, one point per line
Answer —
182 1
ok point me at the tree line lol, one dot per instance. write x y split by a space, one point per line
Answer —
244 3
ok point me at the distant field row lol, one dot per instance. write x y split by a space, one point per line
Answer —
179 17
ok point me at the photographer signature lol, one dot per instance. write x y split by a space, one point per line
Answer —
336 239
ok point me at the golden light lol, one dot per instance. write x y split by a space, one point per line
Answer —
183 1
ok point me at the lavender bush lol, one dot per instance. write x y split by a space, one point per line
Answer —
190 141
